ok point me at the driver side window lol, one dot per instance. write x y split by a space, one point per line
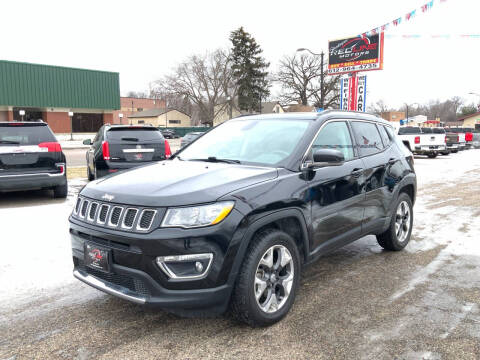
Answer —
335 135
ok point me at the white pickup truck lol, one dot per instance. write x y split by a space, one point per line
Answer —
420 143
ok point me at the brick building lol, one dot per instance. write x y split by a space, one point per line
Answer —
130 105
50 92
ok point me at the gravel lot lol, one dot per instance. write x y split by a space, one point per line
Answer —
357 303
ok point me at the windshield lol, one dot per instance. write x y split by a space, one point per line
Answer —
253 141
25 135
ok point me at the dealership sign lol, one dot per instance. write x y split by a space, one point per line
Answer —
353 92
360 53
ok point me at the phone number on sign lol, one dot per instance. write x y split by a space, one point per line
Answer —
353 68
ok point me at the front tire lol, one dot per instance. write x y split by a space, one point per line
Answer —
268 279
432 156
89 174
397 236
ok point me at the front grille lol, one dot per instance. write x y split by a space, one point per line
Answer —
146 219
83 212
118 217
136 285
93 211
115 216
129 218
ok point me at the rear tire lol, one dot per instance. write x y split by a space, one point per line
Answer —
397 236
60 191
268 279
432 156
89 173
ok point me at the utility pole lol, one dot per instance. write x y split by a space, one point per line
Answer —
322 75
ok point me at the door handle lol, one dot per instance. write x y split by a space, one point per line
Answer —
392 161
357 172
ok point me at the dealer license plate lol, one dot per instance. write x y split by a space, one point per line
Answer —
97 257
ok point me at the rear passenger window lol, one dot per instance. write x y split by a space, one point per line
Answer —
335 135
384 135
367 138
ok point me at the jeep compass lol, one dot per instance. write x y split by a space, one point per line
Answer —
230 221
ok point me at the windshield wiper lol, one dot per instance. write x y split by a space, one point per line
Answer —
129 139
217 160
9 142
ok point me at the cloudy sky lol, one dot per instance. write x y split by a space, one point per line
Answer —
143 40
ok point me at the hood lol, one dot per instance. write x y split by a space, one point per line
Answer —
176 183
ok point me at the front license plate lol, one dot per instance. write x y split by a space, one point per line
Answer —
97 257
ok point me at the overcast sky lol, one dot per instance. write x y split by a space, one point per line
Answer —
143 40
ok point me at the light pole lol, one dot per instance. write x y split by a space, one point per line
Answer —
70 115
21 113
322 77
120 116
406 118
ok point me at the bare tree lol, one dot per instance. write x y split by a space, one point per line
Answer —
301 78
137 94
379 107
206 81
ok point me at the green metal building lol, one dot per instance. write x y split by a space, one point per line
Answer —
33 91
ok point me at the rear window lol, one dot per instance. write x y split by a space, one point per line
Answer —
427 131
409 130
438 131
134 134
25 134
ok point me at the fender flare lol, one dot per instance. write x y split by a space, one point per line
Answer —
257 224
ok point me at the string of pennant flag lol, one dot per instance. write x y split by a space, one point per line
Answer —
434 36
408 17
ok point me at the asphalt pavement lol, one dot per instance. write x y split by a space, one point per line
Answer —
360 302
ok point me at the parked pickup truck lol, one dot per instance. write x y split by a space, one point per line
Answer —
420 143
451 142
461 137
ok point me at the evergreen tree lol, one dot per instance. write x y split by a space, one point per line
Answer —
249 70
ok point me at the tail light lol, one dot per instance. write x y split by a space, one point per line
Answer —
168 152
458 138
105 150
468 136
417 139
61 167
445 139
51 146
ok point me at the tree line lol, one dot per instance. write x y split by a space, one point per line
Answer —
203 85
448 111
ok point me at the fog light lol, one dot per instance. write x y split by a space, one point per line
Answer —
185 267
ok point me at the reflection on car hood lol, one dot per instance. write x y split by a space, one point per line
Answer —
176 183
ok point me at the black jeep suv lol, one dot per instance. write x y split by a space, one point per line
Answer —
120 147
233 218
31 158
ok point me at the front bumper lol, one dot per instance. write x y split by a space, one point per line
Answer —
135 275
31 181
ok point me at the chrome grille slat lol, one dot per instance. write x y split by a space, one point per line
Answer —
146 219
102 214
129 218
84 208
92 211
115 216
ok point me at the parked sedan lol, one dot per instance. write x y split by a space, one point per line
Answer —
120 147
189 137
31 158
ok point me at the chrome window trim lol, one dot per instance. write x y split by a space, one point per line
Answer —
119 216
88 211
106 216
139 228
123 226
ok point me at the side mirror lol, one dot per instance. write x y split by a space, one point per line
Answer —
325 157
87 142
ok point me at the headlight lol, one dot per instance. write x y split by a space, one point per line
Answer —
204 215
